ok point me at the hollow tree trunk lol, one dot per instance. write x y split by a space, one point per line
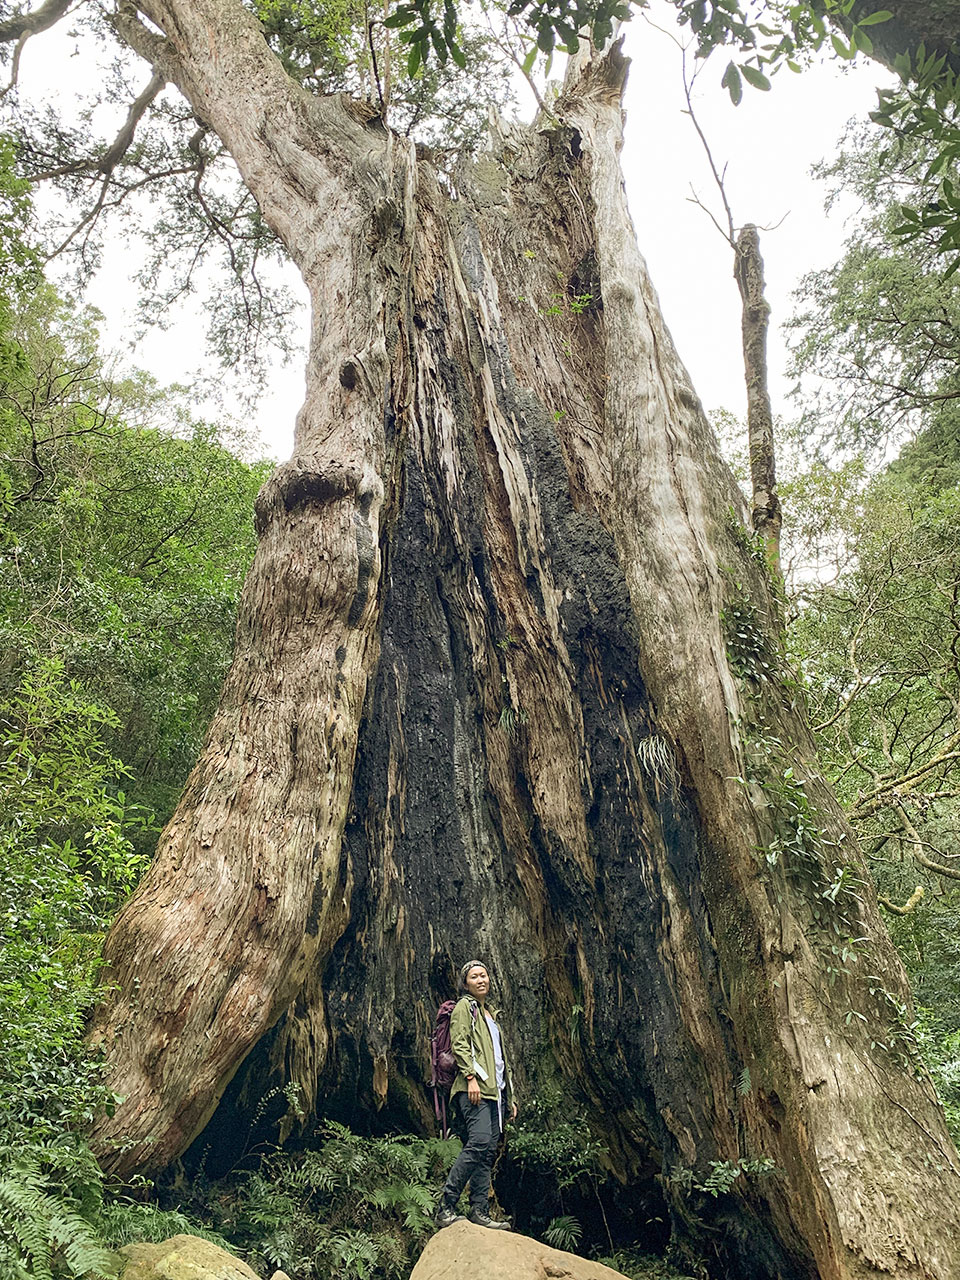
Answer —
503 687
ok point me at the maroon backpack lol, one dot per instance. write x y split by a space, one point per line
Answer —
443 1065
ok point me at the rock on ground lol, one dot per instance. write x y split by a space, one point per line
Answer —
182 1258
467 1252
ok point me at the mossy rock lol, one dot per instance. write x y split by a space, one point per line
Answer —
182 1258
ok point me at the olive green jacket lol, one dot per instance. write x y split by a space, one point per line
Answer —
472 1046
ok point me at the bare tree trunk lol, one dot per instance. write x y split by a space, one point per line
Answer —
504 686
765 514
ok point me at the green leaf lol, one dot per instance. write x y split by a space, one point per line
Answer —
457 54
529 60
937 165
754 76
871 20
414 58
732 83
401 17
842 50
439 44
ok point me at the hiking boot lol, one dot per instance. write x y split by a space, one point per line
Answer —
445 1216
481 1219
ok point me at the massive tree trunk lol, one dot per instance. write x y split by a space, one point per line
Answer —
930 24
504 687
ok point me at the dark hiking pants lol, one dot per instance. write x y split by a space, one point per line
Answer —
475 1162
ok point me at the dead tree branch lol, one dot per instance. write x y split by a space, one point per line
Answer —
21 26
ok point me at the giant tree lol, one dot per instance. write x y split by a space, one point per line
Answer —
507 682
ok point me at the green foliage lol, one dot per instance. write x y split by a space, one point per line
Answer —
774 36
551 1137
749 649
317 44
812 864
752 544
877 647
429 27
796 840
126 546
638 1265
50 1197
510 720
725 1173
335 46
563 1232
928 939
354 1207
65 862
876 333
122 1220
122 550
19 261
901 1028
722 1175
925 108
876 611
941 1054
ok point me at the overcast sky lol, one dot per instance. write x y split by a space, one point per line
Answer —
768 144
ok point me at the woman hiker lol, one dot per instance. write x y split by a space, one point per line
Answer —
483 1090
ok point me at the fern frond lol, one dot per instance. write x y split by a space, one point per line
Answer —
25 1217
81 1249
563 1232
423 1197
47 1198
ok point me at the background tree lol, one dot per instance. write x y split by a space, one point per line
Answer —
877 333
122 549
875 551
878 646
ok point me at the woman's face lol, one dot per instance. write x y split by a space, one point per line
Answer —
477 982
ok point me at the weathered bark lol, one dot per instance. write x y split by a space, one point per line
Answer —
501 662
934 24
245 892
765 513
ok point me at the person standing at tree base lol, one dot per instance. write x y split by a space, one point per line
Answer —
482 1091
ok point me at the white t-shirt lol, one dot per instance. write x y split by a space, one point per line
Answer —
497 1055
